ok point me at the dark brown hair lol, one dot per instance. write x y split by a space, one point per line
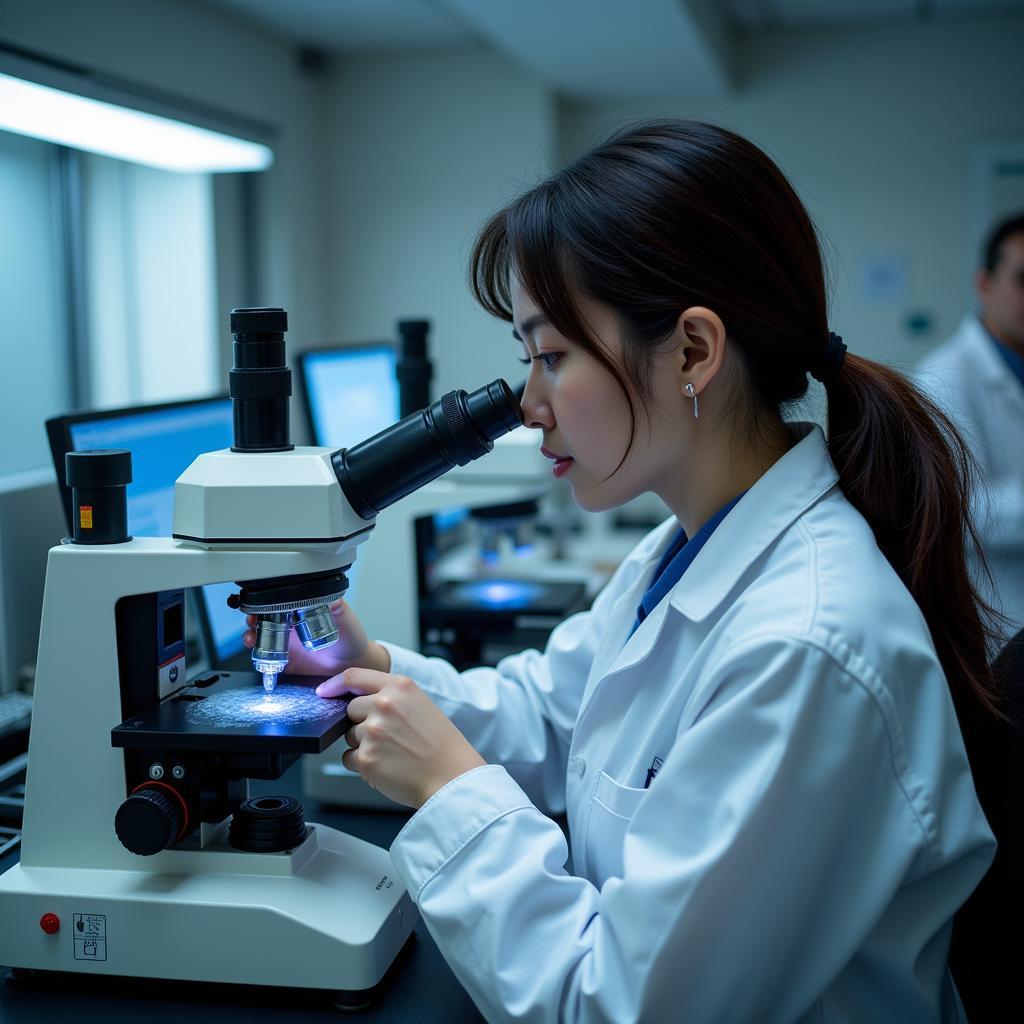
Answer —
993 249
671 214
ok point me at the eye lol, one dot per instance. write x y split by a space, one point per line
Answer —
547 358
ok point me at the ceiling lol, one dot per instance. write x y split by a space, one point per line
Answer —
588 49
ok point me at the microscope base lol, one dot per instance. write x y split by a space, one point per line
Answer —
329 915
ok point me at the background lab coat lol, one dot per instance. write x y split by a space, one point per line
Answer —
970 380
808 837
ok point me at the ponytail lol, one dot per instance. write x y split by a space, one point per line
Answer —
906 469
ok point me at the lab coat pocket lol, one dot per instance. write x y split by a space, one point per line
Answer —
611 812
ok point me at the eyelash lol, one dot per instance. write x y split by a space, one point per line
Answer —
544 357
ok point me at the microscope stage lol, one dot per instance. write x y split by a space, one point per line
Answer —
230 712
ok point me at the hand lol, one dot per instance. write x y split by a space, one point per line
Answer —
401 742
351 649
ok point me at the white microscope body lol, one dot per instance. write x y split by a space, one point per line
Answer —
114 725
201 910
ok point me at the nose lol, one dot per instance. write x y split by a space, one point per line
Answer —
537 412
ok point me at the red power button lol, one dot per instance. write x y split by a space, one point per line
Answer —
50 923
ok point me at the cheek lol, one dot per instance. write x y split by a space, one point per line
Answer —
599 410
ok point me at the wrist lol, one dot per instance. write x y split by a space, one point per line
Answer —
380 659
375 657
466 764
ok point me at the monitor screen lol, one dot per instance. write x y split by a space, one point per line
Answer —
163 440
351 392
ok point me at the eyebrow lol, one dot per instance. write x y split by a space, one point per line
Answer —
529 325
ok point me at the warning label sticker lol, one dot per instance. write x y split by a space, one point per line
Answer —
90 937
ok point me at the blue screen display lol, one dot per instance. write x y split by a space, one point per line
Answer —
164 443
352 393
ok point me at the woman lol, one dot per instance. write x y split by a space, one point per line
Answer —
752 732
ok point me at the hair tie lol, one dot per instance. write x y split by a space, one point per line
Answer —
831 359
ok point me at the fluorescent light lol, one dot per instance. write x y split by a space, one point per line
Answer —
123 133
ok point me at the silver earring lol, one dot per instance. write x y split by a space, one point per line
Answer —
692 394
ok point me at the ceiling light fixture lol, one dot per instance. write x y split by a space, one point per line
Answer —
123 133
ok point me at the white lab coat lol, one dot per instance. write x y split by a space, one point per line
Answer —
801 851
968 378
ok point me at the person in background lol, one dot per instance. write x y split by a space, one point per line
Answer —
977 377
753 732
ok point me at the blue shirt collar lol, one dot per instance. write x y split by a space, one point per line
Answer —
680 552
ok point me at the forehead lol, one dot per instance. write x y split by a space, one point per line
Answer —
523 305
1011 253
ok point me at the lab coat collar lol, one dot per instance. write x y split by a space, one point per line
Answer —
981 348
791 486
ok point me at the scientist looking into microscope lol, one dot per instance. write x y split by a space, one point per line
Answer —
977 377
753 733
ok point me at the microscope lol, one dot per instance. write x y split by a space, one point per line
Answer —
142 853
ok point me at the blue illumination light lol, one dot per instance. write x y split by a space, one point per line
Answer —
499 593
248 706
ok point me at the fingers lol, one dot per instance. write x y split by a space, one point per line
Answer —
354 680
336 686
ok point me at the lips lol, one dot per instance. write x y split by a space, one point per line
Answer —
548 454
561 462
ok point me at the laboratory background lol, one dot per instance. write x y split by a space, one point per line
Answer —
328 166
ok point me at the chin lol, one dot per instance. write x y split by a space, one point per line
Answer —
596 501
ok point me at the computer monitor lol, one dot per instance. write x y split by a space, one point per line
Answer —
164 440
351 392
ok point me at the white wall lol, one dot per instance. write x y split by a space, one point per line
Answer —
386 166
875 128
200 54
420 149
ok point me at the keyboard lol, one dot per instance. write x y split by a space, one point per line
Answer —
15 711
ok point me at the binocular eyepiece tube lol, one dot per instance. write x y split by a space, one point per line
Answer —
453 431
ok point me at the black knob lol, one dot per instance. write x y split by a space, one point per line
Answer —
267 824
148 821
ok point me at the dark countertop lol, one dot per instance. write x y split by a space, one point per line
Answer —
419 989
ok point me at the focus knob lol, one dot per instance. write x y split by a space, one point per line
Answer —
148 821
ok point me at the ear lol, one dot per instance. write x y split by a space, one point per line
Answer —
982 283
701 338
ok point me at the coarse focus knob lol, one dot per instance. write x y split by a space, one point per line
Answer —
148 821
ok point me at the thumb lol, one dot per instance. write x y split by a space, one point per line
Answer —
341 612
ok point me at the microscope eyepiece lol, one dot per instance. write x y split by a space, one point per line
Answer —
260 381
455 430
